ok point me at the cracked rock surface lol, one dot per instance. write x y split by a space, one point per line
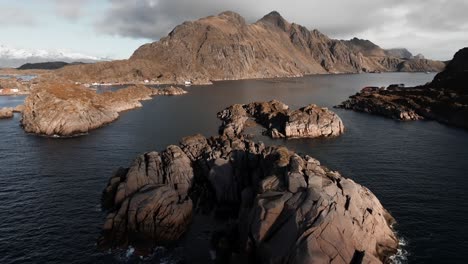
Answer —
310 121
287 207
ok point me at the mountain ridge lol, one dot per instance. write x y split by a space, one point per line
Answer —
225 47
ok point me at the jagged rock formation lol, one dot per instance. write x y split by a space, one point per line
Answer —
62 108
307 122
445 99
226 47
6 112
288 208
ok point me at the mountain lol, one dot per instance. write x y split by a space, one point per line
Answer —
52 65
366 47
400 53
12 57
225 47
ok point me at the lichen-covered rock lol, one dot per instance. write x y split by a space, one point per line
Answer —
308 122
62 108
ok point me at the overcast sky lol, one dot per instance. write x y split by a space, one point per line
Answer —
115 28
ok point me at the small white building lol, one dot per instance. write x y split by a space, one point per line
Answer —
14 90
146 81
188 83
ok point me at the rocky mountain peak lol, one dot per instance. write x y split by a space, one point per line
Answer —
231 15
275 19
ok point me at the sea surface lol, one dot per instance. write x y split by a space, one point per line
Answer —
50 189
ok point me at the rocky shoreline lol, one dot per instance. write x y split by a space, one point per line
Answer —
60 108
445 99
307 122
282 207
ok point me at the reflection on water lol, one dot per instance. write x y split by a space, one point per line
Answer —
50 189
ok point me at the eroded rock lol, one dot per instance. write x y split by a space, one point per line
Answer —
308 122
290 209
61 108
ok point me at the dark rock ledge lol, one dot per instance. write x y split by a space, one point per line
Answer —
445 99
283 207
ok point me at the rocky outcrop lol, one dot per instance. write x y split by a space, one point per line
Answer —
6 112
281 122
283 207
444 99
62 108
172 90
226 47
18 109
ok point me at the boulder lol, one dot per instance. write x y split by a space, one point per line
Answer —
6 112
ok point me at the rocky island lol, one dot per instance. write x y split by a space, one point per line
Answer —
226 47
445 99
6 112
283 207
62 108
281 122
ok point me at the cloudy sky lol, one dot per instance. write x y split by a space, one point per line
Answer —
115 28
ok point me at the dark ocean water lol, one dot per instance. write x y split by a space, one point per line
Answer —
50 188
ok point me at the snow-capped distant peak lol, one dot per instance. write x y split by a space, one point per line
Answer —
13 57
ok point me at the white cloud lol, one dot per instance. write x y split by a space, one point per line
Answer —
14 16
70 9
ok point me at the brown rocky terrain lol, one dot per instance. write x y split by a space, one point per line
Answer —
281 122
6 112
62 108
8 86
284 207
171 90
394 60
445 99
226 47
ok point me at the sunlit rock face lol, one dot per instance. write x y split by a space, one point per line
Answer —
287 208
